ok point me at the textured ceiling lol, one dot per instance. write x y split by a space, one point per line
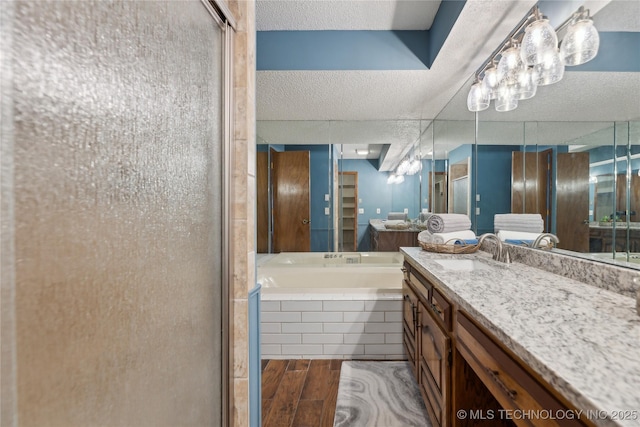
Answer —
275 15
395 98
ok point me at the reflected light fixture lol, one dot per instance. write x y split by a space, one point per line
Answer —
403 167
414 166
395 179
530 57
362 152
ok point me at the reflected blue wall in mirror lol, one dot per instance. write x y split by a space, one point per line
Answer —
375 194
494 183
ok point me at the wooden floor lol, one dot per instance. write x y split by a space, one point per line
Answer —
300 392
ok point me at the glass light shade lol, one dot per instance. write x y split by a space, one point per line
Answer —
478 98
581 43
403 167
510 65
391 179
539 38
490 82
507 99
527 83
414 166
399 179
551 69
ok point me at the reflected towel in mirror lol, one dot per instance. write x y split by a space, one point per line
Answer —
530 223
445 223
446 238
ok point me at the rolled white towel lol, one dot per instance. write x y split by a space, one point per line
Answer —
531 223
445 238
445 223
521 236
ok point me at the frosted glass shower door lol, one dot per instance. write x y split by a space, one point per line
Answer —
112 166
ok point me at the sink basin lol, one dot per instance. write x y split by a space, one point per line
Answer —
462 264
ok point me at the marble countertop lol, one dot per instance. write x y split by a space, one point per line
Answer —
583 340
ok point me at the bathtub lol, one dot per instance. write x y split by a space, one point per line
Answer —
333 259
331 305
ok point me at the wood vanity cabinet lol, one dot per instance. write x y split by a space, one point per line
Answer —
434 364
409 318
508 379
427 342
460 366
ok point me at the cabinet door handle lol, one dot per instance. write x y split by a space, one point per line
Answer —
495 375
404 270
413 308
435 309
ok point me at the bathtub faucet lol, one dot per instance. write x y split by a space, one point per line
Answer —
501 253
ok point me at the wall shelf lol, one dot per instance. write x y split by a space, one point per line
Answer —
349 202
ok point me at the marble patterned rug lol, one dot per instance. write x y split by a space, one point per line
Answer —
379 394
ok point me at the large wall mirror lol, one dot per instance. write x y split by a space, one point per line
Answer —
571 154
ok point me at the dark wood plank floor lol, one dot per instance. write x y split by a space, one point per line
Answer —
299 392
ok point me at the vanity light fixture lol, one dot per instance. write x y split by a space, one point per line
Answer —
362 152
414 166
395 179
403 167
529 57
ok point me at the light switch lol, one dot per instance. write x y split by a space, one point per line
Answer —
359 200
360 211
326 197
326 211
378 210
406 210
477 197
477 211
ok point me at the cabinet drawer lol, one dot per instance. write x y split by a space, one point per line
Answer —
504 376
434 353
441 308
420 282
406 268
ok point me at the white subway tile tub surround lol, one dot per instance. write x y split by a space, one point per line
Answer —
342 325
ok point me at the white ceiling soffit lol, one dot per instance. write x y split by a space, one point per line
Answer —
391 95
371 135
292 15
364 96
617 15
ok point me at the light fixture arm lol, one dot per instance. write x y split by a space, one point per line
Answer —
532 15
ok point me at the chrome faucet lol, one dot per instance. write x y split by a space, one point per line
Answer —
552 237
501 253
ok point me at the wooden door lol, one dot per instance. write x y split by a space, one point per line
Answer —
438 198
530 184
262 201
572 195
291 204
621 197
